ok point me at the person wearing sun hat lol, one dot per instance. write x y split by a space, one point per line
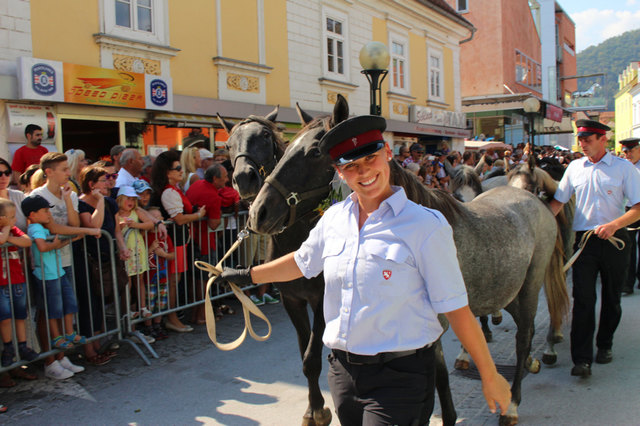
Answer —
385 284
601 183
143 190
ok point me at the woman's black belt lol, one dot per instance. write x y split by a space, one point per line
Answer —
379 358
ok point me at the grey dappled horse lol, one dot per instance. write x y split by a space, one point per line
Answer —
255 146
482 230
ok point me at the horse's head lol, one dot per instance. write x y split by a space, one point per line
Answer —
301 180
465 183
254 146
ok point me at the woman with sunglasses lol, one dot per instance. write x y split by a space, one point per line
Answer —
165 176
11 194
111 175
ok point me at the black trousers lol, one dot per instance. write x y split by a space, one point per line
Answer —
598 257
634 271
398 392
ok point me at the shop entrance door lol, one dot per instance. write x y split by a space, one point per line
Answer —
94 137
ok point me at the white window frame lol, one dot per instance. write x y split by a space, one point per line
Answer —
466 6
395 38
436 53
159 33
346 51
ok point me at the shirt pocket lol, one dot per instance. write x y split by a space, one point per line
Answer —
388 264
611 186
333 261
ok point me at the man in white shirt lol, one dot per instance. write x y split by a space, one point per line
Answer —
631 148
602 183
131 162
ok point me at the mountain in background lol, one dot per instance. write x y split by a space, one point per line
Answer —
611 57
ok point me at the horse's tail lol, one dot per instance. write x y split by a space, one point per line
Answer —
555 285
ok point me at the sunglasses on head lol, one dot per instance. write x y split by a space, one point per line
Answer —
6 173
111 176
177 168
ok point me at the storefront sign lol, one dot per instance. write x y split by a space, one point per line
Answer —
437 117
553 113
53 81
443 131
21 115
40 79
102 86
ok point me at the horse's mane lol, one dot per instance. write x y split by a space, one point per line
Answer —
432 198
553 167
498 171
279 141
466 176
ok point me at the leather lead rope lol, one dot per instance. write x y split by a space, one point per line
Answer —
248 307
617 243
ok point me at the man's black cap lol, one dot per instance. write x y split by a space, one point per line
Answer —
33 203
354 138
416 147
590 127
629 143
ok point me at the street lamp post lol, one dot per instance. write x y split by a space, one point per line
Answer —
531 107
374 59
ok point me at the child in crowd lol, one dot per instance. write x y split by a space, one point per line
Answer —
143 189
131 225
13 271
160 253
51 279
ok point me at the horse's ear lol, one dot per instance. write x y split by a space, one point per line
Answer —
227 125
304 117
531 162
273 114
449 168
340 111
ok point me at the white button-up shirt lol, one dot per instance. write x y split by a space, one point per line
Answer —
384 283
124 178
600 188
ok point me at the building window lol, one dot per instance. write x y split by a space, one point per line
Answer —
435 76
399 65
134 14
461 6
140 20
336 46
528 72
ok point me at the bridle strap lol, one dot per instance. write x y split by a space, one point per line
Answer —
261 170
293 198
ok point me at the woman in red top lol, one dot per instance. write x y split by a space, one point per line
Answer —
165 175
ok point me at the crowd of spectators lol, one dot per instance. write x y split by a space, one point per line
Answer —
160 213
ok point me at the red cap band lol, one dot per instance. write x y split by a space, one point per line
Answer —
592 130
355 142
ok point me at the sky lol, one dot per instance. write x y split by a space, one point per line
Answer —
598 20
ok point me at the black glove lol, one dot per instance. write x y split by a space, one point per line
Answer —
241 277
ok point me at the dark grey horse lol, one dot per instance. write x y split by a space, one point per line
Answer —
507 274
255 146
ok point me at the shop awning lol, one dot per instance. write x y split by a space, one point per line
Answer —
477 145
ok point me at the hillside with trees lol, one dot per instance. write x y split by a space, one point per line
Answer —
611 57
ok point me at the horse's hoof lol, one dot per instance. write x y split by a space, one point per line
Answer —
461 365
508 420
322 417
488 336
549 359
534 366
496 319
558 337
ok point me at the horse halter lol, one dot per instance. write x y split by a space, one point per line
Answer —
261 169
294 198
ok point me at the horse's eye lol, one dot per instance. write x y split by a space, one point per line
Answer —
313 152
266 135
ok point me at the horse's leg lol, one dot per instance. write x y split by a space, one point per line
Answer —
462 360
550 356
297 310
496 317
484 322
449 415
312 366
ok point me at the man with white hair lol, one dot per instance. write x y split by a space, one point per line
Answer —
131 163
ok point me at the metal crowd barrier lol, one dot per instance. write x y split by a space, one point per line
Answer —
107 308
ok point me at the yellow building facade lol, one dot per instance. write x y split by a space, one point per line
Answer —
235 58
624 103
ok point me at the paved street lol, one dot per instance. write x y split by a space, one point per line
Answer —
262 383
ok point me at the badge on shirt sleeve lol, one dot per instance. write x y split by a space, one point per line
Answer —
386 274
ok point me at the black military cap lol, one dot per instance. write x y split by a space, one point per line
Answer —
416 147
629 143
590 127
354 138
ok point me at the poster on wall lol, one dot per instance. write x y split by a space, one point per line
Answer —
40 79
21 115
